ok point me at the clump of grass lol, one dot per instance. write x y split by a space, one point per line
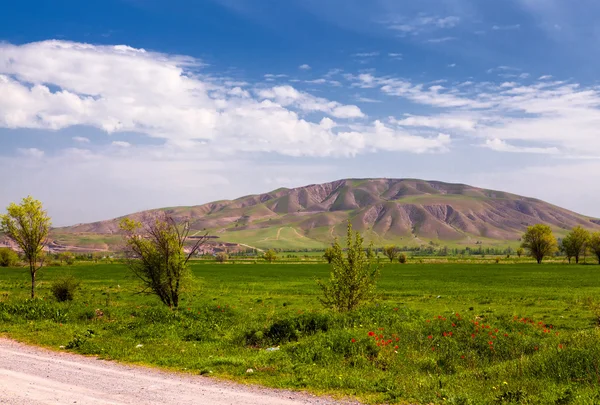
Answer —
64 289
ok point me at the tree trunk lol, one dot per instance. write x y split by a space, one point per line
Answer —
577 259
32 282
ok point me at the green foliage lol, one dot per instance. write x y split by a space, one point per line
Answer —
328 254
270 256
402 258
155 251
67 257
27 224
520 251
574 243
221 257
594 244
8 258
64 289
391 252
353 275
539 242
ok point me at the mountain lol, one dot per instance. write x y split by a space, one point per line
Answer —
406 212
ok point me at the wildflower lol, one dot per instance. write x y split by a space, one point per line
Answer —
454 325
429 337
491 343
396 347
371 333
506 335
536 348
444 334
433 349
560 346
462 357
395 309
472 336
397 339
353 340
427 321
496 330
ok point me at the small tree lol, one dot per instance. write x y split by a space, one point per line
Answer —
594 244
155 254
27 225
353 275
391 252
67 257
520 252
402 258
8 257
270 256
539 241
221 257
328 254
575 243
64 289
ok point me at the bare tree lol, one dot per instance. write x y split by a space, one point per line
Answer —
158 256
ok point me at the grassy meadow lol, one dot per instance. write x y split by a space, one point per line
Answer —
451 333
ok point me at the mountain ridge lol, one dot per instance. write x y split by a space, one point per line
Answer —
386 210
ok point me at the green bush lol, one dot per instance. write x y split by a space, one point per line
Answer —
402 258
8 258
64 289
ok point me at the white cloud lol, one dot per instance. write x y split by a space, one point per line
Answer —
365 54
551 117
545 77
422 24
55 85
440 40
81 139
121 144
304 67
506 27
502 146
31 152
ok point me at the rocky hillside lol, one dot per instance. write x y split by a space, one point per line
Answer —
402 211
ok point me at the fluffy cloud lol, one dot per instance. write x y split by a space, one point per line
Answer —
553 117
57 84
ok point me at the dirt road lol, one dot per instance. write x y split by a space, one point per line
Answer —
30 375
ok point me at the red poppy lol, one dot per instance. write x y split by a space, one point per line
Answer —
560 346
353 340
472 336
433 349
371 333
506 335
429 337
454 325
536 348
396 347
462 357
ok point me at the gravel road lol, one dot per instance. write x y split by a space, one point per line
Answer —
31 375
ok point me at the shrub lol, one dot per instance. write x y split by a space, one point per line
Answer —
270 256
64 289
402 258
8 258
221 257
497 260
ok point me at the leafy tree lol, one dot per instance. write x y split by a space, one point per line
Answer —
391 252
67 257
566 247
539 241
520 251
156 255
328 255
353 275
221 257
594 244
575 242
8 257
27 224
270 256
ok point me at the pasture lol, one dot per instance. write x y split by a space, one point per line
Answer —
437 333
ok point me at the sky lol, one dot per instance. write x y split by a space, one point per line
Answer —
116 106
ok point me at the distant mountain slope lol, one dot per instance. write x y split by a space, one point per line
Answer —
402 211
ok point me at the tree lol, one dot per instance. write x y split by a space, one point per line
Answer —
566 247
353 275
8 257
221 257
520 252
391 252
27 224
67 257
594 244
575 242
156 254
328 254
270 256
539 241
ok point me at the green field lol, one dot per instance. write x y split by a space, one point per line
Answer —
542 322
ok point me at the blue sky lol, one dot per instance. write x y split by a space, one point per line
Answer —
109 107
